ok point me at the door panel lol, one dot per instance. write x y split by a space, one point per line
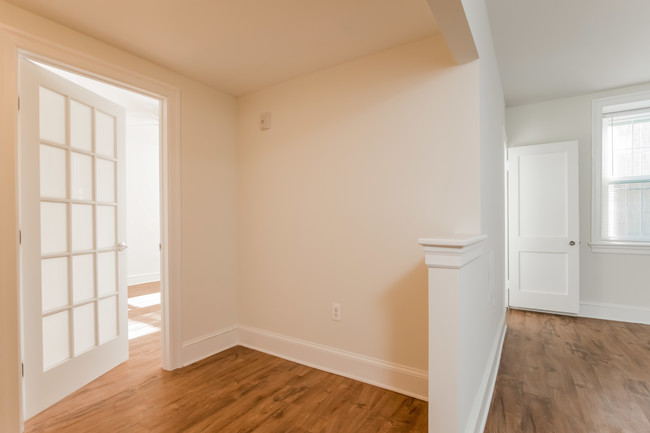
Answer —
543 227
73 278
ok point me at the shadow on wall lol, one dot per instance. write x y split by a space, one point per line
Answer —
406 308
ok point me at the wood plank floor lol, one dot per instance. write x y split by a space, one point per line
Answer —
563 374
144 289
238 390
144 309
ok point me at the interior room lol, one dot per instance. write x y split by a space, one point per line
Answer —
320 223
142 137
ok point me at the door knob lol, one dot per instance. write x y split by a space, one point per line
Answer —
122 246
572 243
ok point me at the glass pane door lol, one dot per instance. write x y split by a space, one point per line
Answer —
77 172
73 275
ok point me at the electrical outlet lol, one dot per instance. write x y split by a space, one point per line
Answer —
336 312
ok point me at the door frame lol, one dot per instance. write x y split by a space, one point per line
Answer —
12 45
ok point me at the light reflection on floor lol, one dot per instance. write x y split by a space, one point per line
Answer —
144 315
143 301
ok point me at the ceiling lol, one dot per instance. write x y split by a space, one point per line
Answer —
240 46
135 104
557 48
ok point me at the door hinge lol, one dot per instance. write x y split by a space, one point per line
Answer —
20 237
22 366
19 103
508 296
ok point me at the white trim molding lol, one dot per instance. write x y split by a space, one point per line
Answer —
454 251
620 248
11 398
619 313
210 344
481 408
394 377
387 375
134 280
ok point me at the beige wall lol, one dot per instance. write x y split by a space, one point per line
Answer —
209 210
208 189
362 160
617 279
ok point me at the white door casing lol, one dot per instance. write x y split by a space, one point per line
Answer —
543 227
72 217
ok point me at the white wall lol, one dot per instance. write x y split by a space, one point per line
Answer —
208 188
142 197
609 283
362 160
482 303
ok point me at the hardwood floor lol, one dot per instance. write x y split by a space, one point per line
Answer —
144 309
144 289
563 374
238 390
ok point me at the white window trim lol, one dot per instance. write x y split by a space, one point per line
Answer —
598 244
620 248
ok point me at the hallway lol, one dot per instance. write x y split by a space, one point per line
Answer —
572 375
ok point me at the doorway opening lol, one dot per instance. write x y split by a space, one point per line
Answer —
74 302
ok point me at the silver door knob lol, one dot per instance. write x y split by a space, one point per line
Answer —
572 243
122 246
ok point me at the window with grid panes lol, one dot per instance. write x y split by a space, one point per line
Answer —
621 199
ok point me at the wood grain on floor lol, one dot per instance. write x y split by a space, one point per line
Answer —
563 374
144 289
238 390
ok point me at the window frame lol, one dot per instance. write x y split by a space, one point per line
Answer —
601 106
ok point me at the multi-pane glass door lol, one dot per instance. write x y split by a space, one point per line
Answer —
78 204
78 137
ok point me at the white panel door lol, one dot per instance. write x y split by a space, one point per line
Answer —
543 227
73 277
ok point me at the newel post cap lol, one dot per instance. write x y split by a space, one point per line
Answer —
452 251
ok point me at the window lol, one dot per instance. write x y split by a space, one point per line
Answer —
621 180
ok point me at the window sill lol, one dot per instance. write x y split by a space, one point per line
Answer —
620 248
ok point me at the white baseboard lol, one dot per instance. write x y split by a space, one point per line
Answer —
405 380
204 346
621 313
479 414
133 280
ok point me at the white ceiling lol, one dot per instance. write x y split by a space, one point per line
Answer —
549 49
244 45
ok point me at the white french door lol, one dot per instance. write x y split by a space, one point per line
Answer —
543 223
72 217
